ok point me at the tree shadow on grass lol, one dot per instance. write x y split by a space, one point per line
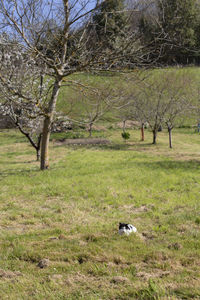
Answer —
111 146
121 146
189 165
12 138
18 162
175 164
14 172
117 147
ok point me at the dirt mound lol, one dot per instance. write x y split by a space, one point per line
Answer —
129 124
97 127
9 274
86 141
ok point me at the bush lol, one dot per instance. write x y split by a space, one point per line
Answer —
126 135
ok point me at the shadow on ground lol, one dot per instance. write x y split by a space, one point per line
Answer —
10 172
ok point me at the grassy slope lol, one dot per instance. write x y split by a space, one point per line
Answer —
121 82
70 215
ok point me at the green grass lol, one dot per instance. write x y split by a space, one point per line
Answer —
69 100
70 214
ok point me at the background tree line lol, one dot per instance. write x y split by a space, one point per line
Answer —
170 27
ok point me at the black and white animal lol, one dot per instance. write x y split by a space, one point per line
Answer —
126 229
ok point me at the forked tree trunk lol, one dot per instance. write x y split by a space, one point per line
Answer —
44 162
154 136
142 132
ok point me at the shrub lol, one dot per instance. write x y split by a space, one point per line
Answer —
125 135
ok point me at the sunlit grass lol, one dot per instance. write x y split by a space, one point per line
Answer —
70 214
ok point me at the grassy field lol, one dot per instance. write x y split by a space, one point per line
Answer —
69 215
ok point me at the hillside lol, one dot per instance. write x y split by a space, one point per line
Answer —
75 96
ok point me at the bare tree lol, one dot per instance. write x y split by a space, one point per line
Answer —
96 101
95 105
181 101
129 109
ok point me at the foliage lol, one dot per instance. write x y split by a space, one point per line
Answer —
109 22
178 20
174 26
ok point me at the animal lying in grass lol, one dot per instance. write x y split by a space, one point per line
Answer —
126 229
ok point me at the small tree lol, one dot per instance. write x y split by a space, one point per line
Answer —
180 103
96 104
125 135
94 100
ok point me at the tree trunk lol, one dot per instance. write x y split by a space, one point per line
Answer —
154 136
38 154
44 162
170 137
90 129
142 132
124 125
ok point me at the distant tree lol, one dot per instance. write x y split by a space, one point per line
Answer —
180 104
109 21
94 101
95 104
128 109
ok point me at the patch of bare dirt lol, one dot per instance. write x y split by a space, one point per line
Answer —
9 274
86 141
175 246
56 278
158 274
96 128
120 279
129 124
148 235
80 278
133 209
